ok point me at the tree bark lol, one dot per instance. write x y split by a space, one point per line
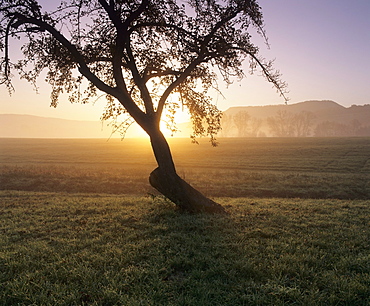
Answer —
166 181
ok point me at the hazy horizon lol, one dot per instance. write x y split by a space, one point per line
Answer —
325 118
182 118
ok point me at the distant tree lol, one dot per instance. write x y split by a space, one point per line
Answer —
302 123
281 124
336 129
286 124
241 121
145 56
255 126
331 129
355 128
226 124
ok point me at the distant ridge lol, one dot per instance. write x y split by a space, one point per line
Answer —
29 126
328 118
268 110
325 110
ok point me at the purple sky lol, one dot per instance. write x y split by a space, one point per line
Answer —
321 47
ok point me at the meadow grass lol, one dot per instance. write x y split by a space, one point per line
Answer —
89 249
79 224
238 167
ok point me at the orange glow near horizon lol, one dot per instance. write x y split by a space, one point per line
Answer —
135 131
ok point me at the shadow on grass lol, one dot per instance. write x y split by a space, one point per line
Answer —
112 250
264 253
204 259
199 261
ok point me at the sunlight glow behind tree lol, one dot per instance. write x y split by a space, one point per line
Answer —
146 57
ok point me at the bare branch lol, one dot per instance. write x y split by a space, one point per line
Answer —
140 82
273 76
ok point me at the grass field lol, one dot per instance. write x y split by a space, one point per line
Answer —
79 224
262 167
75 249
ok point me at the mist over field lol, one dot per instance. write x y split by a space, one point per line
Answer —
305 119
264 167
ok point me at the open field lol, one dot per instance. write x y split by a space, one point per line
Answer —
262 167
79 249
79 224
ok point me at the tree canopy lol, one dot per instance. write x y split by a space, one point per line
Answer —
144 56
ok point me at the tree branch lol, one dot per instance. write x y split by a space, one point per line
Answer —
139 81
159 73
135 14
123 96
272 77
83 68
6 59
204 43
117 56
109 8
163 25
174 84
123 43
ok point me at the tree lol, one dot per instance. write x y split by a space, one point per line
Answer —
145 56
241 121
286 124
281 124
331 129
227 124
256 124
302 123
336 129
355 127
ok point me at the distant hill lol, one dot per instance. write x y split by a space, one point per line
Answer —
328 114
27 126
323 110
341 120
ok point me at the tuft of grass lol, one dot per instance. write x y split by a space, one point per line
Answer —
84 249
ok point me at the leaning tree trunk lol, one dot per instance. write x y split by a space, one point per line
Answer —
166 181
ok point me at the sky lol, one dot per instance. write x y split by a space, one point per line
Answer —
321 48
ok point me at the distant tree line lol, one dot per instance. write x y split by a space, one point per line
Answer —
335 129
245 125
287 124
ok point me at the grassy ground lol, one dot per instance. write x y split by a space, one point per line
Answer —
79 226
258 167
79 249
